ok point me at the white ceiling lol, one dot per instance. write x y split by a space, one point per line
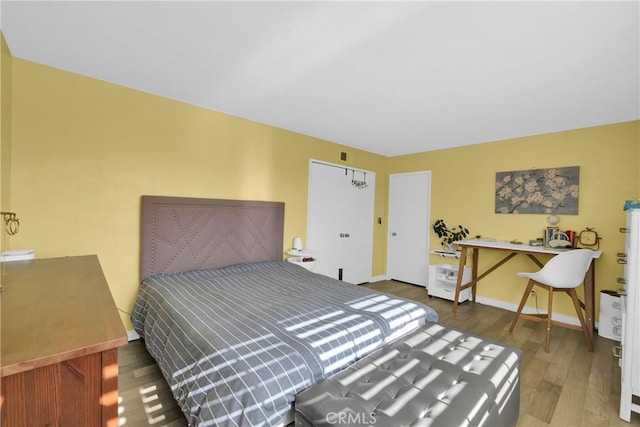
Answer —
388 77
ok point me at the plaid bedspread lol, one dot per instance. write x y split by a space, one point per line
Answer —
237 344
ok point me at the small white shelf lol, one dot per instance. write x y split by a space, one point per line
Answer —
295 253
443 279
298 260
296 257
446 254
17 255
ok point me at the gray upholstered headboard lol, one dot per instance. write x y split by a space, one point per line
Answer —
182 234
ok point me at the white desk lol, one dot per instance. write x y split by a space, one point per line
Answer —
512 250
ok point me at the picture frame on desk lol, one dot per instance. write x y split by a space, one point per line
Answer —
559 239
549 234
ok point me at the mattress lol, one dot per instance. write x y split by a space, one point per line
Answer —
237 344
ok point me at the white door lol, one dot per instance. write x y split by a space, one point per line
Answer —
340 222
408 241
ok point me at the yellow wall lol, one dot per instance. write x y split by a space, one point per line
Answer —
84 151
5 131
463 193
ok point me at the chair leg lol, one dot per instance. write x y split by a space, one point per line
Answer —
547 342
576 303
523 301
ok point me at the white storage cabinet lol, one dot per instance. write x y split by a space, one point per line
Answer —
442 282
630 297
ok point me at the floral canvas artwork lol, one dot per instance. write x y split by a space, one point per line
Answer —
538 191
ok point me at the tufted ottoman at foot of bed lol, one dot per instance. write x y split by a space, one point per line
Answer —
435 376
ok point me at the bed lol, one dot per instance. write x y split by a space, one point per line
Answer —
237 332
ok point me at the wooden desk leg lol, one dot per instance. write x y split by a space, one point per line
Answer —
474 272
589 296
463 261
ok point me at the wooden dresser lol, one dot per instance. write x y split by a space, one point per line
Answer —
60 334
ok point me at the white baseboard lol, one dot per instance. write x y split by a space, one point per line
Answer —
572 320
385 277
132 335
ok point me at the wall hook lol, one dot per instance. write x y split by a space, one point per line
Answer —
11 222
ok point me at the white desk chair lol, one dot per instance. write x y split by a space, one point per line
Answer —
564 272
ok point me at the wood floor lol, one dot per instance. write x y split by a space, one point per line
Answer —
569 386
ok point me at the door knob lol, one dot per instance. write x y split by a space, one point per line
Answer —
394 234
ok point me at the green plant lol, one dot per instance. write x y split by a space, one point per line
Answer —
447 235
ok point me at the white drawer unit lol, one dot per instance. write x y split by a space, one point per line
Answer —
610 319
442 282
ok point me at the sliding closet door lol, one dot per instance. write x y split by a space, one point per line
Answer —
340 221
325 218
359 202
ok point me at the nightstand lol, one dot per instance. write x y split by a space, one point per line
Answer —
299 257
